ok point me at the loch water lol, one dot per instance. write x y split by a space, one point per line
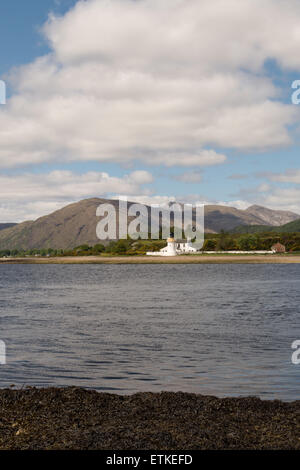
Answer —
224 330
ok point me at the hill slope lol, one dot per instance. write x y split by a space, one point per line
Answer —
76 223
291 227
4 226
271 217
219 218
66 228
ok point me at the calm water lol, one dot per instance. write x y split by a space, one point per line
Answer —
217 329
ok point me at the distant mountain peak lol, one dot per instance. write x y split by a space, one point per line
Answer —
255 206
270 216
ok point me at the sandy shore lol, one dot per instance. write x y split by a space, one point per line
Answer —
183 259
74 418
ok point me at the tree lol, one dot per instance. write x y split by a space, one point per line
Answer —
248 242
225 242
210 244
99 248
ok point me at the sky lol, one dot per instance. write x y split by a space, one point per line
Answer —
156 100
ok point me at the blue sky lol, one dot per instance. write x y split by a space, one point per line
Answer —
168 126
19 29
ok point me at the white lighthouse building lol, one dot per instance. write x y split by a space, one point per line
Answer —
174 248
170 249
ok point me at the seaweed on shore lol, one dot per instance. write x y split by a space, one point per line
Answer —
75 418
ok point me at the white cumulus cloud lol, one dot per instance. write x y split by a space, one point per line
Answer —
28 196
163 82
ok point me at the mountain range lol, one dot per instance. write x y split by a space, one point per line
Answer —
75 224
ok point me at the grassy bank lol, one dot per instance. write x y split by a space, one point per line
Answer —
182 259
74 418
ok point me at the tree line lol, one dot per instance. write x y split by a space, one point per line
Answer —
213 242
248 242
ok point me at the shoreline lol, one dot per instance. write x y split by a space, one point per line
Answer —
143 259
76 418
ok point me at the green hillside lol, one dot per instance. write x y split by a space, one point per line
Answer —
291 227
253 229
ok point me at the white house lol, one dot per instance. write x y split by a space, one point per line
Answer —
174 248
180 247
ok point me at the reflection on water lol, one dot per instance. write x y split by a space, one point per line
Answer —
211 329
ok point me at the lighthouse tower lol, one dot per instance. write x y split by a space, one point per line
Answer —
171 247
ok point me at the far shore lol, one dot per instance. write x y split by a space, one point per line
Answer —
181 259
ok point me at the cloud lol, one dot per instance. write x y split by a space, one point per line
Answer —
193 199
202 159
238 204
284 199
28 196
263 188
151 199
163 83
272 196
289 176
178 32
238 176
189 177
